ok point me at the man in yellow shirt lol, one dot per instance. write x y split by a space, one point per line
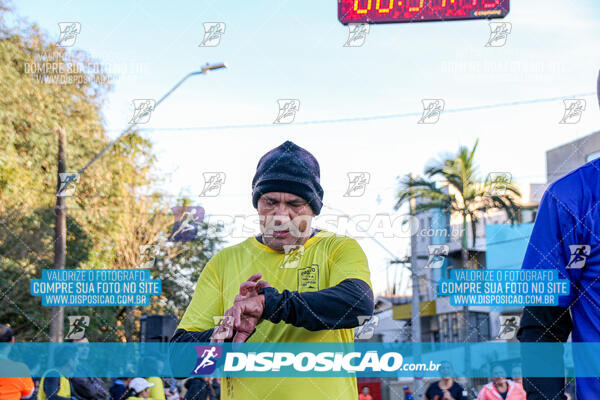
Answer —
315 285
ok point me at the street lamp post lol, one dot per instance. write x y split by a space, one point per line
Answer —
133 123
60 229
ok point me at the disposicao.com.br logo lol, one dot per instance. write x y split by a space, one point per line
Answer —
371 361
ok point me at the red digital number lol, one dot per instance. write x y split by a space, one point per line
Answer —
364 10
415 5
384 10
380 11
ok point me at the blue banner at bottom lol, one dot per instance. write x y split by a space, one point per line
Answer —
364 359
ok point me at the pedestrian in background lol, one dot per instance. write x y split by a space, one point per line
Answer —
446 388
55 384
365 394
85 385
119 388
501 388
139 388
199 388
408 394
13 388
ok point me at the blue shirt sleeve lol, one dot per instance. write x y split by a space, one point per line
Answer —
554 231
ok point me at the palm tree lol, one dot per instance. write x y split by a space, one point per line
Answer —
452 185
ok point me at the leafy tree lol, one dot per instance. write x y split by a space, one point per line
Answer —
115 209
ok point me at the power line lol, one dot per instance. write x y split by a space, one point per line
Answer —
367 118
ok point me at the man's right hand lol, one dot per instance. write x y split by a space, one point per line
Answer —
246 312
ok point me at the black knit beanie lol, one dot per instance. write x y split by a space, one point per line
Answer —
291 169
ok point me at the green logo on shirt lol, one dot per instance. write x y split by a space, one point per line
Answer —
308 278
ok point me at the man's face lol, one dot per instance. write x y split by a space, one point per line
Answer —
446 370
285 219
365 390
498 375
84 350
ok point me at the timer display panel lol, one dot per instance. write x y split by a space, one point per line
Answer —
386 11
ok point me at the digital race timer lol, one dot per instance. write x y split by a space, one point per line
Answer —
381 11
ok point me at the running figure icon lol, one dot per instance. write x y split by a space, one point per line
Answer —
206 363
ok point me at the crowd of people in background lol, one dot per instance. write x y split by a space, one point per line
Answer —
197 388
499 387
55 385
60 383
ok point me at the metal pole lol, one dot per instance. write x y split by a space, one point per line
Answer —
466 325
416 301
415 305
60 236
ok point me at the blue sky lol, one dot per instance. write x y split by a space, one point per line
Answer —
293 49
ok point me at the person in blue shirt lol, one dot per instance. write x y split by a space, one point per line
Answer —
566 238
119 388
408 394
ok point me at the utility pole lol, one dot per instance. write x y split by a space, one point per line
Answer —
466 325
416 302
60 235
60 226
415 311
